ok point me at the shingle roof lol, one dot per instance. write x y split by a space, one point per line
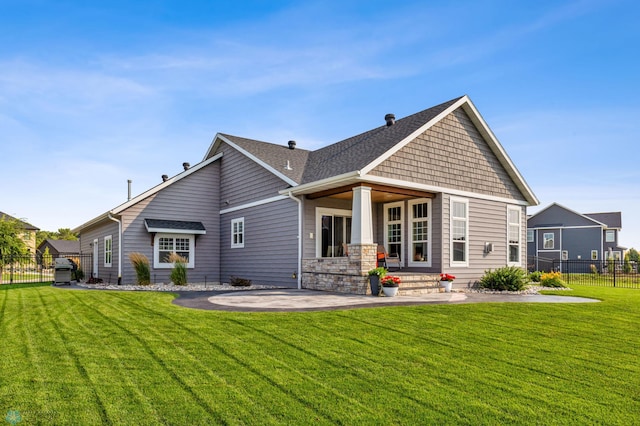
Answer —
611 219
64 246
277 156
26 225
358 151
158 225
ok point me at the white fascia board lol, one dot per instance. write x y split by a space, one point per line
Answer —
498 149
257 160
254 204
95 220
375 163
320 185
432 188
165 184
485 131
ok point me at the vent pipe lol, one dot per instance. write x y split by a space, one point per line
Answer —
390 119
128 189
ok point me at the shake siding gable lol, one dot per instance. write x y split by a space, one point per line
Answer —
194 198
451 154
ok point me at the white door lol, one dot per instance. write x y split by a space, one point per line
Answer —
94 274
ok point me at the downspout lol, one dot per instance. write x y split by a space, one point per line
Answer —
119 222
299 238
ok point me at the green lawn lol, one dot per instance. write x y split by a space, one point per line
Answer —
92 357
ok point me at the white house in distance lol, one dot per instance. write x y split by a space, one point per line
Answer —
435 188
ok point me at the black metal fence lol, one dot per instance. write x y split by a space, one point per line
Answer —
609 273
40 268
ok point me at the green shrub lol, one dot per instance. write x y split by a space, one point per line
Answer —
552 279
141 265
508 278
535 276
179 272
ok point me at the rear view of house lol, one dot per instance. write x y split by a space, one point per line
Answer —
435 189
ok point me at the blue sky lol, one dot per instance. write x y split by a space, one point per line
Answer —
95 93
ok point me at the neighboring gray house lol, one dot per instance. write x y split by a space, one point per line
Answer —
558 233
436 188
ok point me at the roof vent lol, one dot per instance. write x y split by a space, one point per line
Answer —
288 166
292 144
390 119
186 166
165 178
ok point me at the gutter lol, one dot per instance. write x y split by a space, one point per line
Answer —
119 222
297 200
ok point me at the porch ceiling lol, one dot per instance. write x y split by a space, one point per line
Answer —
379 193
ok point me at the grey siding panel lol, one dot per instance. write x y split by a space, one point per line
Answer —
456 143
103 229
270 253
194 198
487 223
580 242
557 216
242 180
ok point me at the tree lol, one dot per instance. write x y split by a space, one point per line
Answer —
10 242
61 234
634 256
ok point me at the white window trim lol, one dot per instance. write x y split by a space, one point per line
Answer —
611 232
233 223
553 241
402 228
323 211
466 237
156 252
410 260
519 210
564 255
108 252
530 235
592 254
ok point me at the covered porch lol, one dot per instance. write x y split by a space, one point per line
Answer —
345 243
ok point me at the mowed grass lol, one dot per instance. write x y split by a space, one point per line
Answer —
98 357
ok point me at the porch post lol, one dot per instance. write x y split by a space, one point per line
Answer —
362 222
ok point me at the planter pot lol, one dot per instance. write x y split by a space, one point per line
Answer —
390 291
374 282
447 286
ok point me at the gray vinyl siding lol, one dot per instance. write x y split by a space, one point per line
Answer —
557 216
242 180
309 221
580 242
487 222
270 252
194 198
101 230
455 142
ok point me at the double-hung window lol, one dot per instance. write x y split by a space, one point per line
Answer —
108 251
393 229
514 232
420 222
548 239
237 233
459 232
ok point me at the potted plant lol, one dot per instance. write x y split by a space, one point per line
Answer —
446 281
374 279
390 285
